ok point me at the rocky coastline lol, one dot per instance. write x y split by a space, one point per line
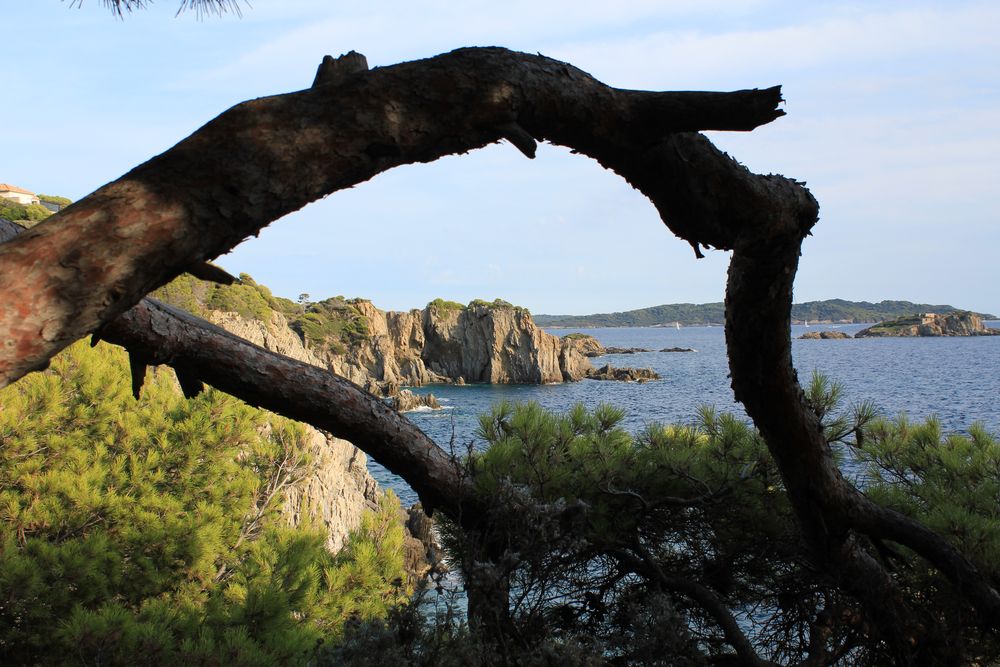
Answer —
930 324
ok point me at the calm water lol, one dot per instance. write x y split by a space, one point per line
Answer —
957 379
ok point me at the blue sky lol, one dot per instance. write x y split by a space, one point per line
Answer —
893 120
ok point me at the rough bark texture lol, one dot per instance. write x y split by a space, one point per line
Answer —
264 158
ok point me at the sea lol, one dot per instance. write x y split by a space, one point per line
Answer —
955 379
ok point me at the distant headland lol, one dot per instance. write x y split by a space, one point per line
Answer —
831 311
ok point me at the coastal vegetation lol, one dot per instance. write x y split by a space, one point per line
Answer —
443 305
689 314
150 532
680 541
27 215
331 324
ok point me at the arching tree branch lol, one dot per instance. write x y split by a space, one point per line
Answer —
268 157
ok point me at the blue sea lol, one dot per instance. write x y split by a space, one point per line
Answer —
955 379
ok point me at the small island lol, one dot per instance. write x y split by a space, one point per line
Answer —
824 335
961 323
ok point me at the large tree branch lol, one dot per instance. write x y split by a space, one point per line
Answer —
268 157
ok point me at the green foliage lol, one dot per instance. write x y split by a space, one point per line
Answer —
147 532
577 502
246 298
333 324
497 304
26 214
609 539
442 305
950 483
62 202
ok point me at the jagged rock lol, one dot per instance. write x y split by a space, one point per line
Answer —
586 345
625 350
335 490
609 372
494 343
931 324
678 349
824 335
406 400
274 335
423 554
574 353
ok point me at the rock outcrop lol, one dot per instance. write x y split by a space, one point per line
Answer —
824 335
482 342
406 400
931 324
678 349
336 488
585 344
625 350
609 372
274 335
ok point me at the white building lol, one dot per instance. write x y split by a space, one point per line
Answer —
20 195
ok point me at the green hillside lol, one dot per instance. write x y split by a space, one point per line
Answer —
690 314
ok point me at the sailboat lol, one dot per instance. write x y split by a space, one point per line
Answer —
677 325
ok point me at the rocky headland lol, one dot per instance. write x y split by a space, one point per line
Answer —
931 324
445 342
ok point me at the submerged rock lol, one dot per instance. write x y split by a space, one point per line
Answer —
678 349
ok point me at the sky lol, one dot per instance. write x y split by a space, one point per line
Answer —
893 121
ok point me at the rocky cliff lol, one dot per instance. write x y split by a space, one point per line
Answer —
931 324
336 488
482 342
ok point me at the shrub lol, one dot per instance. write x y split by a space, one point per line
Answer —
62 202
143 532
445 306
